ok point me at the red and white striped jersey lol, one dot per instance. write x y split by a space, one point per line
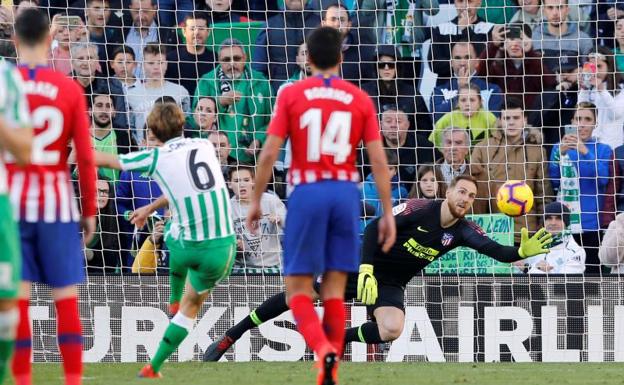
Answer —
43 190
326 119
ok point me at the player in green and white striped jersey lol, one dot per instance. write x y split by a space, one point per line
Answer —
200 235
15 143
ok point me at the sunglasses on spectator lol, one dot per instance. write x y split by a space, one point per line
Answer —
384 64
233 58
103 192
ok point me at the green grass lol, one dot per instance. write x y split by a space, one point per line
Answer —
302 373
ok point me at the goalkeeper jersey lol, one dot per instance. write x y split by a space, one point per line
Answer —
13 108
189 174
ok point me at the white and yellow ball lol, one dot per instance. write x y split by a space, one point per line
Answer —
514 198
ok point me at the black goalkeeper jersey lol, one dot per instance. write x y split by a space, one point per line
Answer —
421 240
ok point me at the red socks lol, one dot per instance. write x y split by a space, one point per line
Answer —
334 323
70 339
20 366
309 324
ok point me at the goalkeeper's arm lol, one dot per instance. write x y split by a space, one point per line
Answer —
537 244
367 284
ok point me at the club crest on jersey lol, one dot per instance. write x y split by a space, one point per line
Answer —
446 239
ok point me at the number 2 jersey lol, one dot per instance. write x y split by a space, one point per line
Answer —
326 119
189 175
43 191
421 240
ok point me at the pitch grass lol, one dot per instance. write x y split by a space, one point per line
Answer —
302 373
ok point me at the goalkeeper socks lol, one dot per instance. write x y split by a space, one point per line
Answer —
23 346
177 278
268 310
367 333
8 322
176 332
69 339
309 324
334 322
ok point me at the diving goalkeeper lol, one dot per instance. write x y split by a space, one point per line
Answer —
426 230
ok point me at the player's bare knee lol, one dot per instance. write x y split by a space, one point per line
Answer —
390 329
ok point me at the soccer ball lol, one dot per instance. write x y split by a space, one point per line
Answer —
514 198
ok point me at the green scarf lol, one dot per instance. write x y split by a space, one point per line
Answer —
569 190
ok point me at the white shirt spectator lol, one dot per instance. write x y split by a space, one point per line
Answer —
565 258
611 252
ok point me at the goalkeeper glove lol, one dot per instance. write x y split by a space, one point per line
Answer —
367 285
537 244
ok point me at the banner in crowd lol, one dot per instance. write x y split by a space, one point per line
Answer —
461 319
463 260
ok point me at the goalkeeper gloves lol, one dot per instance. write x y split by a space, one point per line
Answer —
537 244
367 285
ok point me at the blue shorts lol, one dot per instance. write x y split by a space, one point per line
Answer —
52 253
322 228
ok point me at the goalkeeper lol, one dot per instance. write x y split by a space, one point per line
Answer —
426 230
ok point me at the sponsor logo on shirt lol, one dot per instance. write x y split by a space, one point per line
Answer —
420 251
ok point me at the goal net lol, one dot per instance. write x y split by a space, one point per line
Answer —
498 90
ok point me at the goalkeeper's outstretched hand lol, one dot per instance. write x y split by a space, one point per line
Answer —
537 244
367 285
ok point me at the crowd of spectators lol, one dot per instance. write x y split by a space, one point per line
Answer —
528 90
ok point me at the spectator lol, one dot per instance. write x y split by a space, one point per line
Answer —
221 12
276 46
565 255
133 191
97 16
427 186
619 46
141 29
411 149
580 169
468 114
497 11
611 252
172 12
124 65
399 23
152 255
464 65
65 36
142 97
85 64
263 249
370 194
192 60
603 90
605 15
517 69
103 253
244 100
455 150
530 13
389 89
559 107
558 37
221 142
303 67
106 138
467 26
357 59
205 114
512 152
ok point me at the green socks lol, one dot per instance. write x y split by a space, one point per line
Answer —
6 351
174 335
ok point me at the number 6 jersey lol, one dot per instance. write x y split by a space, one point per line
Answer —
42 191
326 120
189 175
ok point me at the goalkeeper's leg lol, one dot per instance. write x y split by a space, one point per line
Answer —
269 309
388 316
388 326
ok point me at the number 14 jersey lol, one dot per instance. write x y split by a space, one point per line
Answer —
326 119
189 175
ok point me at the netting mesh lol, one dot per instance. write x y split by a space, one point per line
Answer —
500 90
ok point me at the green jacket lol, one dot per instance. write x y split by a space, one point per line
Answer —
246 120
